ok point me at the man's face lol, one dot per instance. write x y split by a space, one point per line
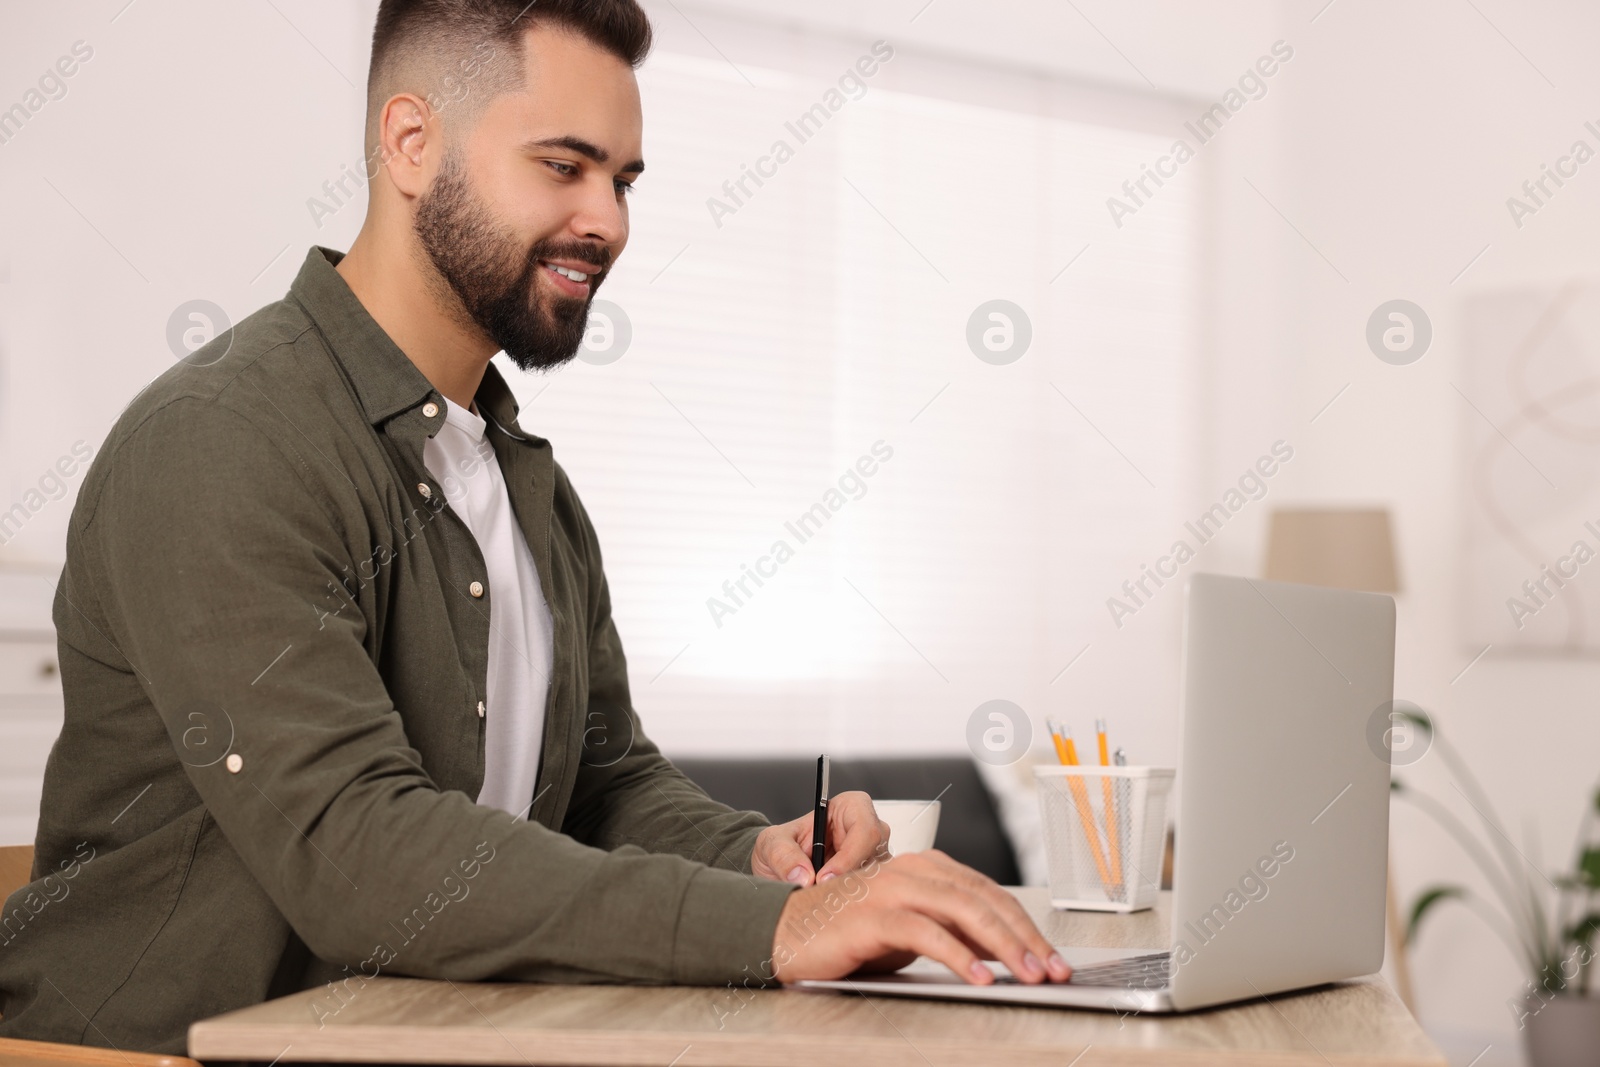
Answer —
538 184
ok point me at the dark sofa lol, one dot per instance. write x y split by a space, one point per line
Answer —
783 788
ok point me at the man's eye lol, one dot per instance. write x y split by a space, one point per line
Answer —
566 170
624 187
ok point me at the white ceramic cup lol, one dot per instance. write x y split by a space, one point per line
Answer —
912 823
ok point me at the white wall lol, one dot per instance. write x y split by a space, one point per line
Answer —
1399 139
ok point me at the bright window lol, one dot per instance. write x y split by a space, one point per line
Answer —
826 316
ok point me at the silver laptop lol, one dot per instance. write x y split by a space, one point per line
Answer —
1283 788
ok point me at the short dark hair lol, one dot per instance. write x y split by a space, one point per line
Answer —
445 35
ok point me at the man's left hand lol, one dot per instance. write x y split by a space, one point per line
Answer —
783 852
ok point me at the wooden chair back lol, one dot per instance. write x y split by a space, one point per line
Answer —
16 868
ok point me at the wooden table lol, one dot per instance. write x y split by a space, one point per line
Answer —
405 1020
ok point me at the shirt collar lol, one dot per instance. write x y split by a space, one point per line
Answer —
385 379
499 406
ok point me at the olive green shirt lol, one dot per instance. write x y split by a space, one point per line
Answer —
273 635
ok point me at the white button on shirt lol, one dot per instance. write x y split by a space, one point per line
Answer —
462 462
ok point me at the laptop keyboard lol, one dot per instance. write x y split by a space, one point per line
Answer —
1153 971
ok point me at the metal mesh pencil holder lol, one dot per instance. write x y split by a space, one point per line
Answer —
1104 828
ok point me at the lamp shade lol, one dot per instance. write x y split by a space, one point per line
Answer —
1348 548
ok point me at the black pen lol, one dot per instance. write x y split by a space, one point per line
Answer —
819 818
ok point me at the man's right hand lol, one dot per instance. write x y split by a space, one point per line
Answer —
881 916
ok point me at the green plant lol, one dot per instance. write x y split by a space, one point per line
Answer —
1556 946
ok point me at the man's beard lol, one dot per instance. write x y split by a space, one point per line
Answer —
496 281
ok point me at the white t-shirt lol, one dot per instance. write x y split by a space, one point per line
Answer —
461 459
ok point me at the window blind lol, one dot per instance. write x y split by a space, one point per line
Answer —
819 330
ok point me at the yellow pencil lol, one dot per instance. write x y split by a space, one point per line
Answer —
1061 748
1068 754
1108 794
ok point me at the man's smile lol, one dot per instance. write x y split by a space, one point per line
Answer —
570 276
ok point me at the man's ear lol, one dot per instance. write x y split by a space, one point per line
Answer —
406 126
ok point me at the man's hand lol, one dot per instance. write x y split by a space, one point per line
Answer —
882 917
783 852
